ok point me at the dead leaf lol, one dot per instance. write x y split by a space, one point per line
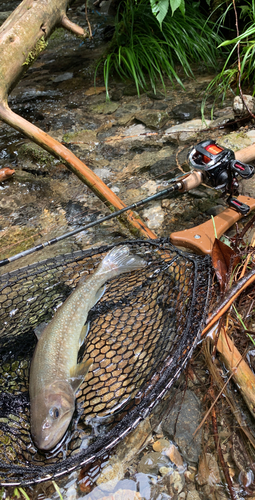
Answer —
224 259
95 90
6 173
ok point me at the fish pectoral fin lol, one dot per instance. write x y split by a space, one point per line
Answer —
84 333
99 294
78 374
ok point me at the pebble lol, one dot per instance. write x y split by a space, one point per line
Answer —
177 482
110 476
154 216
193 495
174 455
151 462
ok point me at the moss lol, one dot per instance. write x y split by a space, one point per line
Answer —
35 153
40 45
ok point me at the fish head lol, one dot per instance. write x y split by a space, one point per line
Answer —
51 413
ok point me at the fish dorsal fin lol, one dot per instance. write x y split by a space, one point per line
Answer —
78 374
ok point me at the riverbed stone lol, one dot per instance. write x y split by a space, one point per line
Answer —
152 462
181 423
146 160
186 131
152 119
239 107
185 111
237 140
154 216
105 108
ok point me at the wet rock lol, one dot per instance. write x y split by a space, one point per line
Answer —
35 154
174 455
158 96
151 463
177 482
116 95
186 131
160 105
239 107
219 113
85 139
223 120
63 77
237 140
110 476
106 108
182 422
160 445
165 470
145 160
185 111
130 90
134 442
125 119
154 216
193 495
152 119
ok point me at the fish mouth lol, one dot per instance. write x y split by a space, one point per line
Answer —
47 442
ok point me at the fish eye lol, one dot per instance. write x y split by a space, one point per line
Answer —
54 412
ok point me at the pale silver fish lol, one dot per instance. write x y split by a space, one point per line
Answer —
55 375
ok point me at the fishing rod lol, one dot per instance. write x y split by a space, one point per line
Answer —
211 163
184 184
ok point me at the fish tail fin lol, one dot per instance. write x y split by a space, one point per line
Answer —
119 260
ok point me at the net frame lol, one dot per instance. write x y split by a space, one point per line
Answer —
161 255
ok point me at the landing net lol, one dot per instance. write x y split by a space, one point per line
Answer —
142 332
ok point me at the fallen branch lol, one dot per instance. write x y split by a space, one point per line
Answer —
22 37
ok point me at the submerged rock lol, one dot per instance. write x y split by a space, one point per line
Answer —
152 462
181 424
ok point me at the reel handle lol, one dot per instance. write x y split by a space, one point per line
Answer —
201 238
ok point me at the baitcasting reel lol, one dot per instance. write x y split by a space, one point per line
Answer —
221 169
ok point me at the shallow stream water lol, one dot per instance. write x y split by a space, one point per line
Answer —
124 142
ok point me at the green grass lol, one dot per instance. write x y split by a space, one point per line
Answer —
142 52
227 79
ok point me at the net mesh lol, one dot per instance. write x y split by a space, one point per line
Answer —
142 332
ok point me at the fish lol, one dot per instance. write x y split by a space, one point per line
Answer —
55 375
6 173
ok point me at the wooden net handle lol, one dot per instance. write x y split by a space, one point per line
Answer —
200 238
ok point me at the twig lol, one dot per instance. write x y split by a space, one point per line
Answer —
215 401
222 461
87 19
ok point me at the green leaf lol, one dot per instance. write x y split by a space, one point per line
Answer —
160 9
175 4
